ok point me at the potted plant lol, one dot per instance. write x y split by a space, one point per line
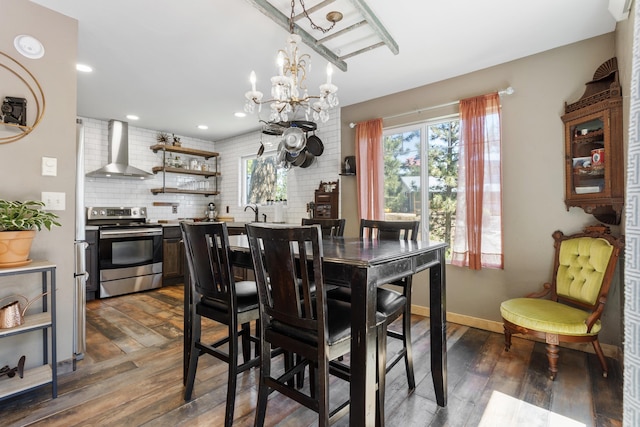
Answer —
18 224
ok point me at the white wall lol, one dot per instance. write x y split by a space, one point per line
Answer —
136 192
301 182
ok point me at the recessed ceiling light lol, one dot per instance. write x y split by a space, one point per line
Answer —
203 127
132 117
240 114
84 68
29 46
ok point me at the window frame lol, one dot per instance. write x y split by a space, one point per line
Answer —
423 127
243 177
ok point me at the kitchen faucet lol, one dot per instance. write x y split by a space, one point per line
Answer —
255 211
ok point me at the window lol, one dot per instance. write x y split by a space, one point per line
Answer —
413 186
262 179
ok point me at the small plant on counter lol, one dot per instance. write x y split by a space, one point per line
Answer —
27 215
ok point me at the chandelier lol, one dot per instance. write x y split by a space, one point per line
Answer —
289 93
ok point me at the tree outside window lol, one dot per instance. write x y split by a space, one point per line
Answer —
413 186
263 179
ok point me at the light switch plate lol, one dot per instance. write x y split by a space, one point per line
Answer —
49 166
53 201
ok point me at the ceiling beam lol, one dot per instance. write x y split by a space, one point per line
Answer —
279 18
376 25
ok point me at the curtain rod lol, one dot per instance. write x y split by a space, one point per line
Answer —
507 91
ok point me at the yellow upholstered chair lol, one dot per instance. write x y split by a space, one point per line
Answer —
569 308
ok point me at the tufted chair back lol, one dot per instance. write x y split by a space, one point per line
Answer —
582 264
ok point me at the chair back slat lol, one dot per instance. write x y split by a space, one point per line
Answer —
331 227
207 250
389 230
287 265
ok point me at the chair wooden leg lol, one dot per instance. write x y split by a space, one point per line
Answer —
323 393
233 369
263 389
552 355
600 354
246 342
406 340
193 360
507 338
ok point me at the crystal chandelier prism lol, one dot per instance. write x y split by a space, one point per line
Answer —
289 94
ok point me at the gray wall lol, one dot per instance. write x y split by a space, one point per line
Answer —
533 171
20 161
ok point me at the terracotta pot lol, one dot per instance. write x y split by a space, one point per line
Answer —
15 247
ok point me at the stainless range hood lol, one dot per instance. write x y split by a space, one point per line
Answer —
118 166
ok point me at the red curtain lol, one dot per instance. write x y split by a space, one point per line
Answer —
370 169
478 234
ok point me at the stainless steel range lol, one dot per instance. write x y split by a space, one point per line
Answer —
129 250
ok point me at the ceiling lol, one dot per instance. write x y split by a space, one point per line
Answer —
180 64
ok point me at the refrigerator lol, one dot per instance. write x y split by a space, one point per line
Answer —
80 270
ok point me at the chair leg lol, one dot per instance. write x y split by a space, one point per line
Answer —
406 334
323 393
552 354
193 360
507 338
263 389
233 369
246 342
600 354
408 356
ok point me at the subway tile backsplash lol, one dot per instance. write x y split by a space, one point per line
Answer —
135 192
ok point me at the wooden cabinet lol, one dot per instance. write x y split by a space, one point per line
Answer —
594 163
326 200
212 188
172 256
91 259
44 322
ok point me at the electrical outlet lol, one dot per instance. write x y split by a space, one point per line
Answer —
53 201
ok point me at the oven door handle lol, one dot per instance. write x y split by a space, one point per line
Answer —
114 234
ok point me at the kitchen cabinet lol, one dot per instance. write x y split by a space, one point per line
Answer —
173 256
44 321
212 188
594 164
91 260
326 200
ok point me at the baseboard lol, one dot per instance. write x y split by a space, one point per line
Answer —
609 350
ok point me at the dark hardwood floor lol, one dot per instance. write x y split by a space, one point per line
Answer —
132 375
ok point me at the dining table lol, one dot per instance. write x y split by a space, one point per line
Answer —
364 264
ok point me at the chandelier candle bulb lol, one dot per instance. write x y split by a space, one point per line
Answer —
329 73
252 79
280 62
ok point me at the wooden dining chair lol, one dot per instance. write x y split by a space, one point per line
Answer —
390 303
569 307
297 316
217 296
333 227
